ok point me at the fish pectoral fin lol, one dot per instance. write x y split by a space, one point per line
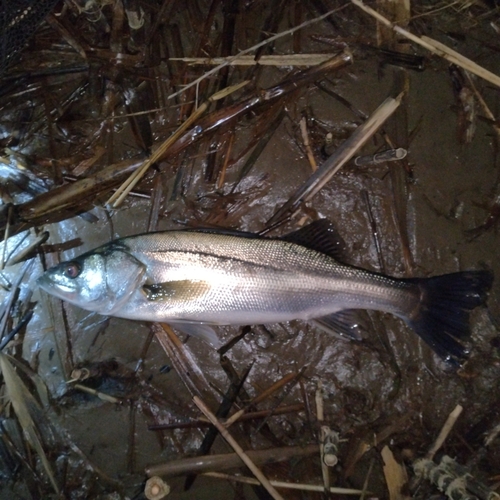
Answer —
200 331
349 322
176 290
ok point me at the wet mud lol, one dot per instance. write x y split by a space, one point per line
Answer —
66 117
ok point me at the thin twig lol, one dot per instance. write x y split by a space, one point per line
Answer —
482 103
222 175
237 448
6 237
367 479
203 422
307 145
99 394
261 397
183 362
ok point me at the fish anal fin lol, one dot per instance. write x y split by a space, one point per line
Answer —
351 323
186 290
200 331
322 236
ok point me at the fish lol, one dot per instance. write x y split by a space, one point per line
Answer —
197 278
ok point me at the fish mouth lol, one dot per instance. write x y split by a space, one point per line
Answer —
58 289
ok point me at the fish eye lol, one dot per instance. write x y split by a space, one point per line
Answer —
72 270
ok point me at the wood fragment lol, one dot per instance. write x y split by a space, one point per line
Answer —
237 448
99 394
395 475
484 106
446 429
25 252
71 196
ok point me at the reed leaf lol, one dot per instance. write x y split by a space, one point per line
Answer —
22 401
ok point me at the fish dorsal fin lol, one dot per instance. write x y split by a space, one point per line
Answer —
225 232
322 236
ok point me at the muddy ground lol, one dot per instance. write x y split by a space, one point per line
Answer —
89 91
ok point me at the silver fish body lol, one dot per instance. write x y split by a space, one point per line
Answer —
227 279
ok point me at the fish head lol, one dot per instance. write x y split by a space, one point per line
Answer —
100 281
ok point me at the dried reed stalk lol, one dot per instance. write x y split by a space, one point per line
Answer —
254 48
269 60
122 192
282 484
337 160
433 46
207 463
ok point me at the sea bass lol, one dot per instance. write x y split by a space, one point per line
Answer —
196 278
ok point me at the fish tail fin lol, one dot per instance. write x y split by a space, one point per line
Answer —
442 318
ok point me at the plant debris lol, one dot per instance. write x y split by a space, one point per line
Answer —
124 116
